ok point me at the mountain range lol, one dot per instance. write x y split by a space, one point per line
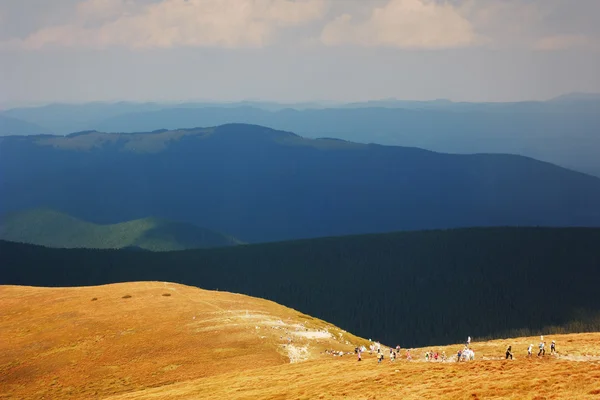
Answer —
54 229
258 184
562 131
14 126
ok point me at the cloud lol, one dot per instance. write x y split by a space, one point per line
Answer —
547 25
174 23
404 24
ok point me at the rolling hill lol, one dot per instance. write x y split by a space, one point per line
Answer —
412 288
14 126
259 184
144 340
54 229
99 341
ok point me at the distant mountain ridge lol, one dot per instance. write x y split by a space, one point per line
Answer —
577 96
54 229
562 131
544 131
259 184
14 126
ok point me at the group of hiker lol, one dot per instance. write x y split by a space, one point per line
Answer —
435 356
394 353
465 354
375 347
541 347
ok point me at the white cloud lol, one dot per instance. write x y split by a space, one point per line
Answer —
173 23
548 25
419 24
405 24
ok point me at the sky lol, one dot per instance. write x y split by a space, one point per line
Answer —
296 50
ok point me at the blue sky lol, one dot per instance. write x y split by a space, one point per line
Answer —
296 50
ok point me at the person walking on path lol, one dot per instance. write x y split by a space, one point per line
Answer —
509 352
553 347
530 350
542 351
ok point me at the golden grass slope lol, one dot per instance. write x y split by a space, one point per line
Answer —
91 342
168 341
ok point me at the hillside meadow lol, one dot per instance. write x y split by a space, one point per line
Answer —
158 340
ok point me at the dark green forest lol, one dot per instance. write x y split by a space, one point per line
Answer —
408 288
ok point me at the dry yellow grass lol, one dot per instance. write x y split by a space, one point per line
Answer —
197 344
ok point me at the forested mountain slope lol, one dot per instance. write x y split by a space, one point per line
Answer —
258 184
412 288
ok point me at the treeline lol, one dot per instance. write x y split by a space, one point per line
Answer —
408 288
